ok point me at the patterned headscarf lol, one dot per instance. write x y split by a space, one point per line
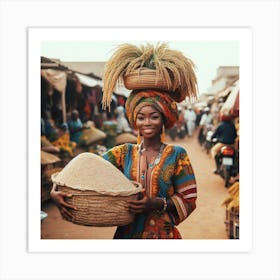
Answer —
161 101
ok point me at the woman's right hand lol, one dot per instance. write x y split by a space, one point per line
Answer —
59 199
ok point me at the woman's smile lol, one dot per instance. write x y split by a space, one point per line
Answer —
147 130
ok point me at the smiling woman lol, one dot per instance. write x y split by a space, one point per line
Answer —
164 171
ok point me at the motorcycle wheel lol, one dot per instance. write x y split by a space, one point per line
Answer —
226 176
207 147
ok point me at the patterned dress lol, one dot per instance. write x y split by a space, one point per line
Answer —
172 178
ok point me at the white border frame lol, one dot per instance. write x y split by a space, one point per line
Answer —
262 16
242 35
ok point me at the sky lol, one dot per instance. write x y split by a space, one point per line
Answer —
206 54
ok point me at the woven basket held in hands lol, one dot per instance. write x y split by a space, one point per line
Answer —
99 191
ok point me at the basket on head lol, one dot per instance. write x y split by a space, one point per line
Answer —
145 78
150 67
99 191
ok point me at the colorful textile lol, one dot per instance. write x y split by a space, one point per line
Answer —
172 178
64 143
161 101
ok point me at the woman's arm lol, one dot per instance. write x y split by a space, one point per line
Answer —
185 190
59 199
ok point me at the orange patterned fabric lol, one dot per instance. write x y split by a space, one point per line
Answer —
172 178
161 101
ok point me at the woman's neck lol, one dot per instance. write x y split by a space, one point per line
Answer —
151 144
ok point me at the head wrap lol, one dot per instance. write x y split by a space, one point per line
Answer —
161 101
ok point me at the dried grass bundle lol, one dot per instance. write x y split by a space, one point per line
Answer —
172 69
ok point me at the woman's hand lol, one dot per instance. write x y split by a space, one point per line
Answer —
144 205
59 199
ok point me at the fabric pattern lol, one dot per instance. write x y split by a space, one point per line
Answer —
64 143
161 101
172 177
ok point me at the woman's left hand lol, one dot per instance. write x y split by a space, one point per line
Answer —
143 205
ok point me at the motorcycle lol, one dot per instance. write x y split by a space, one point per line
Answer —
208 144
227 163
177 131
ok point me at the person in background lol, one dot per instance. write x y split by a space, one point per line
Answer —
190 117
205 124
199 114
76 127
225 133
122 123
63 141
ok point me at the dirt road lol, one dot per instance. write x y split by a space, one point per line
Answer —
206 222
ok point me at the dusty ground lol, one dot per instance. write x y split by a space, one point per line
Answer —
206 222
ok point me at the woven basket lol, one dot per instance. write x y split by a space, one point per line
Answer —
144 78
100 191
95 209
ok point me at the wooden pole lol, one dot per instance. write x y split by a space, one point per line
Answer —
63 106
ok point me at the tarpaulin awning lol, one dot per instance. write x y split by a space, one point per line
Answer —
56 78
88 81
122 91
232 102
59 80
224 93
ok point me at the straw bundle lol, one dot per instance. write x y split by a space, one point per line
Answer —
92 135
232 201
99 190
161 68
126 138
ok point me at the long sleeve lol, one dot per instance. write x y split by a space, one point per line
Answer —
185 189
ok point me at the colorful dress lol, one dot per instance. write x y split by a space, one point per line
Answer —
172 177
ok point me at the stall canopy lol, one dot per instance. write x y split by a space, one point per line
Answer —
56 74
122 91
232 102
89 81
55 77
224 93
58 79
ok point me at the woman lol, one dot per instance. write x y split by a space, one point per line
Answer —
158 76
164 171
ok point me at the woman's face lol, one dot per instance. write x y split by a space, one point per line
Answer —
149 121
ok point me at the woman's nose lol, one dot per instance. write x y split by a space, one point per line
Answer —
146 121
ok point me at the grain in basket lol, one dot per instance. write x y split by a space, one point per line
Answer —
99 191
